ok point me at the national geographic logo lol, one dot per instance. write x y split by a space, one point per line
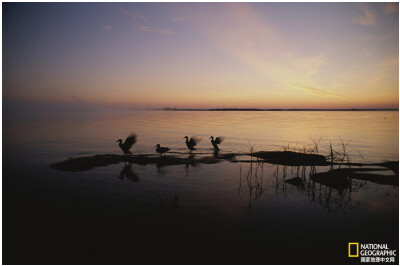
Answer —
353 249
372 253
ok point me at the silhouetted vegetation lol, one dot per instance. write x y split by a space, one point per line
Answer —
253 184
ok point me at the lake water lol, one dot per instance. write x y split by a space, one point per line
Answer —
223 213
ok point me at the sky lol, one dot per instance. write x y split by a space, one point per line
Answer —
201 55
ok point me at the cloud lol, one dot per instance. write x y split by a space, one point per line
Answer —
243 34
385 69
140 22
239 31
155 29
388 65
106 27
102 25
309 66
135 16
368 18
391 8
321 93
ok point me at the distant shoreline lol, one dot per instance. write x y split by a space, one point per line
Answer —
260 109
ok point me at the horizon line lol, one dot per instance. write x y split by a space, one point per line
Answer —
273 109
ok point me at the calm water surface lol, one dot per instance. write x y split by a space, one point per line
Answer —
196 213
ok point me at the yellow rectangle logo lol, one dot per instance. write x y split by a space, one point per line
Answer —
352 253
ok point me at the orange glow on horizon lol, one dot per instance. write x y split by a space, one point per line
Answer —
210 55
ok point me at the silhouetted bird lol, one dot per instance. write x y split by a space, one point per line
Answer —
127 144
162 150
217 141
191 143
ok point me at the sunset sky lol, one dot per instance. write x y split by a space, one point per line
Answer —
202 55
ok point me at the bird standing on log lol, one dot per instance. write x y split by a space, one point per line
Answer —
161 150
130 140
191 143
217 141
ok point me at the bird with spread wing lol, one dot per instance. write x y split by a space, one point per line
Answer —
192 142
216 141
130 140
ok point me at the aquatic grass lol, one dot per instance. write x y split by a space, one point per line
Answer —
331 155
315 142
325 189
337 154
253 183
335 201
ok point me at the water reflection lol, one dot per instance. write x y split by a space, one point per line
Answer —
253 183
128 173
169 202
285 177
191 162
332 189
160 168
209 200
331 193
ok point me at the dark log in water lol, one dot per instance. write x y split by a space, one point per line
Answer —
362 174
339 178
394 166
375 178
332 179
295 181
86 163
89 162
291 158
275 157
